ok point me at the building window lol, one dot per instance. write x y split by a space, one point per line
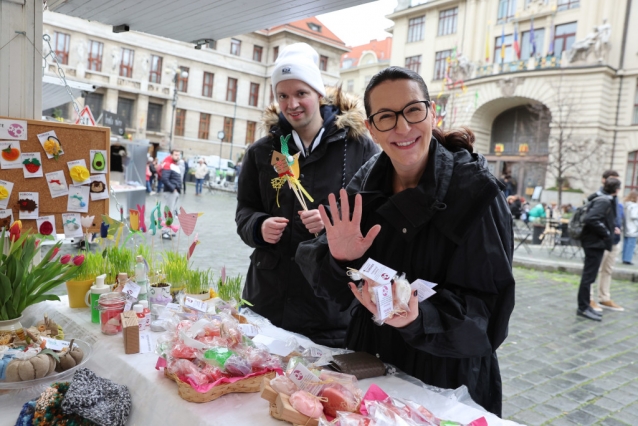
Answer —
251 127
350 86
564 38
509 52
125 110
416 29
95 55
182 82
314 27
526 44
156 70
447 21
506 11
257 51
204 125
126 64
631 177
62 47
636 106
413 63
440 63
154 117
254 94
94 102
567 4
231 90
228 129
323 63
207 87
235 46
180 121
275 53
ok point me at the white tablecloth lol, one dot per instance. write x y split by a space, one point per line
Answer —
155 398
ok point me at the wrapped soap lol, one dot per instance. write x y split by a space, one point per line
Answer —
282 384
180 350
218 356
307 404
336 397
237 366
183 368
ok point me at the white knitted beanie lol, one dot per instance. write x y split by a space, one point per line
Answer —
298 62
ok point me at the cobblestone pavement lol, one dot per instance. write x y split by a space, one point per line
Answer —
557 368
561 369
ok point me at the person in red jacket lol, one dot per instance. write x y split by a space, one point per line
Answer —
172 183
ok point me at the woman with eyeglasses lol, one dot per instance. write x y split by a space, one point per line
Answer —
426 206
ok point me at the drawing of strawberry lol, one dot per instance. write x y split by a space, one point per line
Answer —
32 165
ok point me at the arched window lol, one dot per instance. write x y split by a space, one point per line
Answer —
526 124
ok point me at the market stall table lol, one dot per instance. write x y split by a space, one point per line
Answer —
155 398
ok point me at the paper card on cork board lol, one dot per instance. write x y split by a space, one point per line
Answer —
78 142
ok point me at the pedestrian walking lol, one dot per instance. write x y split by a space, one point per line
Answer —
428 207
200 174
149 177
597 237
631 227
609 256
172 182
326 129
184 168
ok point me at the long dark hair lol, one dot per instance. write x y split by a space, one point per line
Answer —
453 139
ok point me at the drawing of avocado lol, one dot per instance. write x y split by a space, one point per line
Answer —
99 162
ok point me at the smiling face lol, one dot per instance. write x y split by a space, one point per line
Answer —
407 144
300 105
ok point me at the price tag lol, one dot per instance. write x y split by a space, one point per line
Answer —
305 380
131 289
423 288
196 304
249 330
384 300
377 272
315 352
54 344
146 343
173 307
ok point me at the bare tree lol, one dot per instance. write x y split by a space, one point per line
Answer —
572 156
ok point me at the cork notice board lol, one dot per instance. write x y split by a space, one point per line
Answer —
77 142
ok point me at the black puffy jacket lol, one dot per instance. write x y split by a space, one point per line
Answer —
600 221
171 179
274 283
454 229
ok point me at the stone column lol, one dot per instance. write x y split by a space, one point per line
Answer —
141 111
110 100
21 58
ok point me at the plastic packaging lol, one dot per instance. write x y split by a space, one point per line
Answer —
237 366
180 350
307 404
218 356
111 305
139 312
186 369
283 384
336 397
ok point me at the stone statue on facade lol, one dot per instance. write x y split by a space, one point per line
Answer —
597 42
603 45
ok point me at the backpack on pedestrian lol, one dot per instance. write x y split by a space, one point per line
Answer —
577 222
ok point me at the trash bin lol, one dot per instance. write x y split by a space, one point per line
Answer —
537 230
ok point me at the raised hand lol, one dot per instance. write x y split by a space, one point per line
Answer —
344 235
272 228
311 220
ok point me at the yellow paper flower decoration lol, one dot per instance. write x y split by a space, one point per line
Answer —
52 147
79 173
4 193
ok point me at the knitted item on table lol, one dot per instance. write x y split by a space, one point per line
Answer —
97 399
25 418
48 411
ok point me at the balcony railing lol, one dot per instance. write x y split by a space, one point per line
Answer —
544 62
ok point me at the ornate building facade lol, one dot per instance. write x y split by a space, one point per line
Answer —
548 86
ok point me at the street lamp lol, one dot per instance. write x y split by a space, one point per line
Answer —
184 74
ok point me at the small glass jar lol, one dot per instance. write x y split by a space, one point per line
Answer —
111 305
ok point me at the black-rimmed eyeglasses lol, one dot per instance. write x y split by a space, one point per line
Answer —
413 113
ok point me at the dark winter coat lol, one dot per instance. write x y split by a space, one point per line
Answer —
171 179
600 222
274 283
454 229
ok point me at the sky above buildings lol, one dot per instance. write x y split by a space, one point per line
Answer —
360 24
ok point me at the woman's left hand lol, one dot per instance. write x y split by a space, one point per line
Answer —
397 321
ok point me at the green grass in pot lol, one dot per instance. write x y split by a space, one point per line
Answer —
175 268
116 260
92 267
198 281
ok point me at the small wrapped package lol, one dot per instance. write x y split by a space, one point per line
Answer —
307 404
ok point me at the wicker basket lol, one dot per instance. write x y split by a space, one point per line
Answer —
251 384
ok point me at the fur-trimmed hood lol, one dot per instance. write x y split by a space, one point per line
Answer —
351 116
